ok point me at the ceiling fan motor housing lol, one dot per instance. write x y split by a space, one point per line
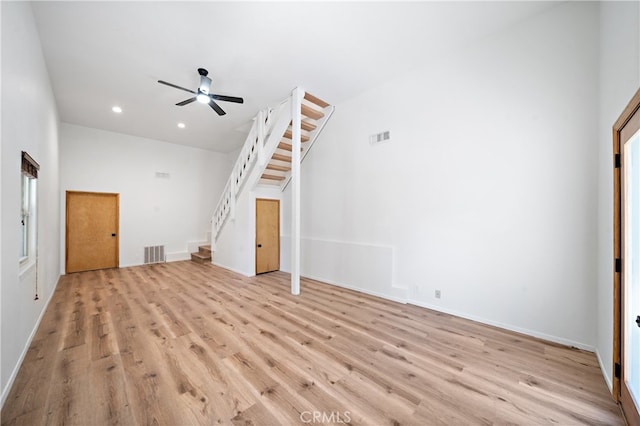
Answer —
205 84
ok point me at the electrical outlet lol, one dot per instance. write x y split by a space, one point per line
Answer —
437 294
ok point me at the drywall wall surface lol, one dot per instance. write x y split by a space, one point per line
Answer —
167 191
29 123
235 247
619 80
485 190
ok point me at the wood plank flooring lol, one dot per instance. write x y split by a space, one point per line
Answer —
190 344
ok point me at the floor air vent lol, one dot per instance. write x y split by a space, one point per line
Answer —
154 254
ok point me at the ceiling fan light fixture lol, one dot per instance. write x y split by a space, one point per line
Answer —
202 94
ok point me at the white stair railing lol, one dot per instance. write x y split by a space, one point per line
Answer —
262 141
268 126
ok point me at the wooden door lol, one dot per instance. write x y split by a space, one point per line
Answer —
267 235
627 249
91 231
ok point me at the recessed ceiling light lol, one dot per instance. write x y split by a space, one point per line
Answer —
181 125
116 109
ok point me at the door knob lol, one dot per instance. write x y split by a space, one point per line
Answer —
113 235
638 320
259 245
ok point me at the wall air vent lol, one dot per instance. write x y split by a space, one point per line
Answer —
154 254
379 137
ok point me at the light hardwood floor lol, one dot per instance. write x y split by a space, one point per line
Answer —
189 344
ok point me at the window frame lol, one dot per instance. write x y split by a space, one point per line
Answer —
28 211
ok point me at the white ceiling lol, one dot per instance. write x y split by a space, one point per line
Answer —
100 54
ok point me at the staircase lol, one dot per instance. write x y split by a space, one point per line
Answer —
203 255
267 153
278 169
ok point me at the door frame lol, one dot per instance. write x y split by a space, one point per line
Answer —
66 227
255 245
618 296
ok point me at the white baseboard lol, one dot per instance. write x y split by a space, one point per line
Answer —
178 256
361 290
14 372
551 338
237 271
605 371
528 332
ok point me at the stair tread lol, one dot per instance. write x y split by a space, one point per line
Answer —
311 113
281 157
289 135
278 168
315 100
205 249
309 127
287 146
272 177
201 256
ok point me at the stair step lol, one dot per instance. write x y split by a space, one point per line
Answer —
309 127
278 168
205 250
289 135
272 177
281 157
200 258
311 113
315 100
287 146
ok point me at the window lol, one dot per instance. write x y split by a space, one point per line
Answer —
28 222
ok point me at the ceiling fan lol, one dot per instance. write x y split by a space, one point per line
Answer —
203 95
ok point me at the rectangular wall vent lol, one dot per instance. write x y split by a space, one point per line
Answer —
379 137
154 254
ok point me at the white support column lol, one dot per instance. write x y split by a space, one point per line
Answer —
296 118
261 131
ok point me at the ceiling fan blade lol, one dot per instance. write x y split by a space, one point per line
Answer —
175 87
188 101
216 107
227 98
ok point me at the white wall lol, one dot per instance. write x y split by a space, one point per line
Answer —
619 80
29 123
153 210
486 190
235 247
